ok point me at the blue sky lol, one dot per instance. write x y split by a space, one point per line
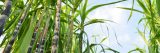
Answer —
126 32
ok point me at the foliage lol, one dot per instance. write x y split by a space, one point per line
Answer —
151 12
31 26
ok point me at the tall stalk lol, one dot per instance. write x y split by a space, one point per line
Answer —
56 27
13 38
5 15
34 34
43 38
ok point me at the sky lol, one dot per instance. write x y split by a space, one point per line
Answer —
126 31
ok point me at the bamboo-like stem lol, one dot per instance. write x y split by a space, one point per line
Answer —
9 46
40 48
71 28
5 15
44 36
38 44
81 40
57 27
34 35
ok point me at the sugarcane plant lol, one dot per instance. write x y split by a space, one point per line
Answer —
151 21
47 26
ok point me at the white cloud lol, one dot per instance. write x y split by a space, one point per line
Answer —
124 38
109 12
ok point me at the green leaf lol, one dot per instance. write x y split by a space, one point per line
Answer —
90 46
110 49
93 21
103 39
137 49
100 5
131 11
143 6
83 15
26 40
143 19
158 6
125 8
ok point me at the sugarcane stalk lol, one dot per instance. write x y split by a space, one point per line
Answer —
44 36
55 38
4 15
13 38
34 35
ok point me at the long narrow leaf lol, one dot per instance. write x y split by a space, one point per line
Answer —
97 6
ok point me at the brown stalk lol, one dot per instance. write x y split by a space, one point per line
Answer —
57 27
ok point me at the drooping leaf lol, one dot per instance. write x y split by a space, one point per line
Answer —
94 21
125 8
110 49
131 11
100 5
137 49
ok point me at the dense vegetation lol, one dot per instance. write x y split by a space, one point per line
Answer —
50 26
